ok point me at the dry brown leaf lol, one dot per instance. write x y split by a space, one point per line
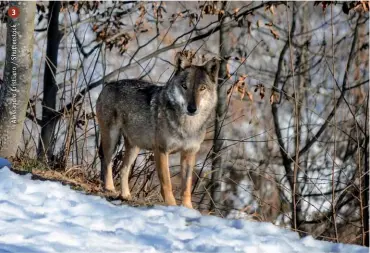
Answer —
229 92
358 8
258 23
228 70
364 5
266 8
240 86
75 7
272 98
261 89
262 92
275 97
142 10
191 17
242 93
272 9
250 95
276 35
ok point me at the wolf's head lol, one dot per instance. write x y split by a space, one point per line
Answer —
193 87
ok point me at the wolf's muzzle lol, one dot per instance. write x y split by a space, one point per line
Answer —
192 109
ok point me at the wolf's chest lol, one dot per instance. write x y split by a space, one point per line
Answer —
184 138
175 144
180 132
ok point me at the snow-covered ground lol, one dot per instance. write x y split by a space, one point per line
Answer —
43 216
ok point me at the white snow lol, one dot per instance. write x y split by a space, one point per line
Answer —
44 216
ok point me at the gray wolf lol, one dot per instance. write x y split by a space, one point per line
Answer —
165 119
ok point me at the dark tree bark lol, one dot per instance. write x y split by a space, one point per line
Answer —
221 111
365 194
14 91
49 119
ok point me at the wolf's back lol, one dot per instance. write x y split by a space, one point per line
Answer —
127 105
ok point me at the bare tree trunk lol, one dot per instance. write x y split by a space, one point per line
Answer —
221 110
14 92
49 121
286 159
365 194
297 138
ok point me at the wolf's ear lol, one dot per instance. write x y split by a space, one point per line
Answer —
181 61
212 68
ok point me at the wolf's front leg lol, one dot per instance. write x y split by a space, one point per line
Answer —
187 165
161 159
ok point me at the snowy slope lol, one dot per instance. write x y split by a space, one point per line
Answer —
43 216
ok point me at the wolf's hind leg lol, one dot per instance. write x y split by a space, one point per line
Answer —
109 140
187 165
129 157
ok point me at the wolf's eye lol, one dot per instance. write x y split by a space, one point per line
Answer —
184 86
203 87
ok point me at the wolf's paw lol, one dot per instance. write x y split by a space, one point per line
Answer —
125 197
110 191
108 186
187 204
170 201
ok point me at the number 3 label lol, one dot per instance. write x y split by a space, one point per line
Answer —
13 12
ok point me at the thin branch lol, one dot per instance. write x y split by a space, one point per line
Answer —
340 99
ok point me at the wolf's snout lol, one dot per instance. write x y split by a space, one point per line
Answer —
192 109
